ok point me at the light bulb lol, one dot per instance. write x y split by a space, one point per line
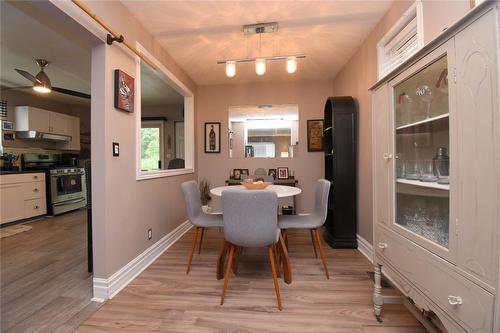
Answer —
291 65
260 66
230 68
41 89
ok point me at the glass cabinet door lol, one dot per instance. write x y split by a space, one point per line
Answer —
422 142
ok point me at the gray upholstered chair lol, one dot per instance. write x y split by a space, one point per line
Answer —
251 220
312 221
196 215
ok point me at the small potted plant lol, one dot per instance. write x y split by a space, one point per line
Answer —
205 195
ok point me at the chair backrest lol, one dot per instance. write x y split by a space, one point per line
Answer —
176 163
250 217
192 199
321 199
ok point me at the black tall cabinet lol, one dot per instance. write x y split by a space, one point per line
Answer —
341 136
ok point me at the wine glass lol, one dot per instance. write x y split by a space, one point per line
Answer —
427 96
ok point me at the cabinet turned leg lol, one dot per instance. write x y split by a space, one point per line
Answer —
378 299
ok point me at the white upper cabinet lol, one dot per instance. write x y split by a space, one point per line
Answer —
29 118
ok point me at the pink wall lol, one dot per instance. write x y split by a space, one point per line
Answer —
355 79
213 103
124 208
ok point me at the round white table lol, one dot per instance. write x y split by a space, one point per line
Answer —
281 190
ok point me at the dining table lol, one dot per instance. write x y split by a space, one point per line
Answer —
284 259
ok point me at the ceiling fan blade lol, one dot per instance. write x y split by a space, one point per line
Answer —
71 92
27 75
15 88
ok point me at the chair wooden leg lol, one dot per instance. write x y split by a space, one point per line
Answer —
237 256
228 273
314 244
272 259
285 237
321 253
287 268
193 247
221 261
276 260
201 239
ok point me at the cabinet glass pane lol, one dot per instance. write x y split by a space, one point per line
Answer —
422 153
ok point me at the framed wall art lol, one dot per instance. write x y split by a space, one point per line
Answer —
282 172
212 137
124 91
315 135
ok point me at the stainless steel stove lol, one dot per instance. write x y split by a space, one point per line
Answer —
65 185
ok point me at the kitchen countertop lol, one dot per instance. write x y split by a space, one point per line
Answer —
15 172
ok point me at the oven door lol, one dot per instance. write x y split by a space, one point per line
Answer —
67 187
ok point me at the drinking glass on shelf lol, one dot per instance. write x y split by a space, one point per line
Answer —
427 171
443 175
400 167
412 170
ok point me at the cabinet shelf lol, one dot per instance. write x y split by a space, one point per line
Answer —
424 121
434 185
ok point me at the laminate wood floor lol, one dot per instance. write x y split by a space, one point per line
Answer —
164 299
45 286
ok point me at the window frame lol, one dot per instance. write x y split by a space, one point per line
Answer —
182 89
415 12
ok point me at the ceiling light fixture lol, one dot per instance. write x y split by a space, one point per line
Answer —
260 66
230 68
291 65
42 82
260 61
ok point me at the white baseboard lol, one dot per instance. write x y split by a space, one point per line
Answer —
107 288
365 248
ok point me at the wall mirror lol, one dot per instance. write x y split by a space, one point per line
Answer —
165 116
263 131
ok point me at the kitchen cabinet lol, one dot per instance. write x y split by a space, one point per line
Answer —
436 135
28 118
73 130
59 123
22 196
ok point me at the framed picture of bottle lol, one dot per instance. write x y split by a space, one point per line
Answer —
212 137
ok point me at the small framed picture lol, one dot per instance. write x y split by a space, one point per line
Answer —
124 91
315 135
272 172
237 174
249 151
212 137
244 172
282 172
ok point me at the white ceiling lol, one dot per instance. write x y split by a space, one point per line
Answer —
32 30
199 33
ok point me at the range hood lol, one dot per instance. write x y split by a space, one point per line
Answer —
41 136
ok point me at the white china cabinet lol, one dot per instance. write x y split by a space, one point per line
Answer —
436 133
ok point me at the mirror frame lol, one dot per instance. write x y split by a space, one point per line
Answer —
177 85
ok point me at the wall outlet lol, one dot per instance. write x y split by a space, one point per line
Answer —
150 233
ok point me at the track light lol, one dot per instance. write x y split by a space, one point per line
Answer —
260 66
230 68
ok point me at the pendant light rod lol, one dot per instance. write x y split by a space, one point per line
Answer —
270 58
113 33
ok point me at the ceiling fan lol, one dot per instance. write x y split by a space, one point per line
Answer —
42 84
